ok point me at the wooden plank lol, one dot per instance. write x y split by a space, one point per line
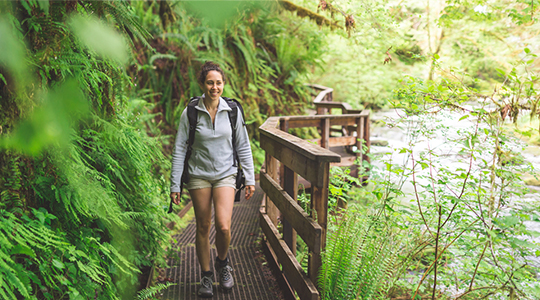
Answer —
314 121
322 95
343 120
312 152
345 107
310 117
271 258
341 141
305 226
315 141
299 123
303 165
345 162
319 87
303 286
286 289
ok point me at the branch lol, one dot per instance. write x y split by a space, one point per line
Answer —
437 258
416 194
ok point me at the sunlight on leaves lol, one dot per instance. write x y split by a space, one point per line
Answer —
100 38
51 123
12 51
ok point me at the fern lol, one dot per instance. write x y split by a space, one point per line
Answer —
150 292
359 259
10 186
78 221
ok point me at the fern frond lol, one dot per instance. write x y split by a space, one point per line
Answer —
150 292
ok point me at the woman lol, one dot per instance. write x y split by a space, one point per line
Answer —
212 174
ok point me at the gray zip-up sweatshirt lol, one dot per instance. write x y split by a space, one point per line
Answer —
212 155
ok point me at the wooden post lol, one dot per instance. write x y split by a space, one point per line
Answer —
322 110
325 132
290 185
271 170
319 205
359 136
359 142
367 142
287 177
365 136
329 97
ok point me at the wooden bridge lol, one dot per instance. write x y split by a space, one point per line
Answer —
256 222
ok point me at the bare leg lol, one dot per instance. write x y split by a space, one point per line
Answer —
202 205
223 206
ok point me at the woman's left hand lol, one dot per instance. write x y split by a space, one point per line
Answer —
250 190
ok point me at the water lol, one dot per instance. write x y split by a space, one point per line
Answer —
396 138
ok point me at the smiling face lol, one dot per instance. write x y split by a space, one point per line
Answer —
213 85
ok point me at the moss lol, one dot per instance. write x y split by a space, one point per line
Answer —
410 54
304 12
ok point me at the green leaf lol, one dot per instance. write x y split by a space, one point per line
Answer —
509 221
527 50
12 51
58 264
23 249
501 72
52 122
100 37
464 117
44 5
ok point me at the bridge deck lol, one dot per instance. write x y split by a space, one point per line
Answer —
253 279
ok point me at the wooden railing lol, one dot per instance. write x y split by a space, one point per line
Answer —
295 157
324 104
323 93
287 158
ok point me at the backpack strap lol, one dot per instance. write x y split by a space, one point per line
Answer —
192 118
233 117
235 103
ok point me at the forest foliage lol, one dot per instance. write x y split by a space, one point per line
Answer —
90 95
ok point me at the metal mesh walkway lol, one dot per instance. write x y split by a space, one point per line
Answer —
253 280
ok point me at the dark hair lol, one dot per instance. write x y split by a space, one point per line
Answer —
207 67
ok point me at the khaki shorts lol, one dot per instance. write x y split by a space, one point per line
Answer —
198 183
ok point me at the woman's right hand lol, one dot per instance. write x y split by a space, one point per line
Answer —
175 197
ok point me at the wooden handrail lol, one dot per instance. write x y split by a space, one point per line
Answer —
326 93
271 130
362 131
288 157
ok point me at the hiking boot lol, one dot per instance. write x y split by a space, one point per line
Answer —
206 290
224 275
